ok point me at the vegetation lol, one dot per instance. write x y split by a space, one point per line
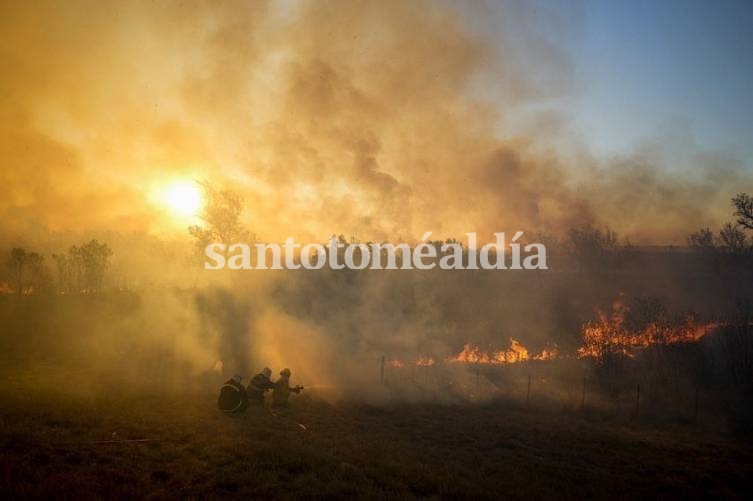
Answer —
82 269
91 366
221 216
66 447
731 245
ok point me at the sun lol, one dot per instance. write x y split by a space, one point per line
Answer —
183 198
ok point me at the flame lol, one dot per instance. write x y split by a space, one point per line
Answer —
425 361
609 335
515 353
547 354
421 362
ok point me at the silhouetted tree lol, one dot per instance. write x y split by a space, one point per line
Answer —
743 205
702 239
221 218
733 240
76 264
703 242
731 246
592 247
16 264
37 273
96 259
27 270
63 264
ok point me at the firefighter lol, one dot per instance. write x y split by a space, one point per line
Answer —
259 385
233 397
282 389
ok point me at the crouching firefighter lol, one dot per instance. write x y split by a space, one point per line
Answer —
259 385
282 389
233 397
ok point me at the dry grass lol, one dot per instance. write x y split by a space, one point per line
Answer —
47 450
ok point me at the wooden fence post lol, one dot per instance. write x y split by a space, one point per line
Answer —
528 392
583 395
695 406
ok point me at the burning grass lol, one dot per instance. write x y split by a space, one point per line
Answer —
515 353
473 434
611 334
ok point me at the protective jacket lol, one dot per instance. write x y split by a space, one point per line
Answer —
233 397
282 390
258 385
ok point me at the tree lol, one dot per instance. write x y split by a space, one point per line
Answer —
76 267
94 259
732 240
221 217
743 205
591 246
38 276
16 264
731 246
702 240
63 264
27 269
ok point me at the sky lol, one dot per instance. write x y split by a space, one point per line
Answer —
649 65
677 71
385 119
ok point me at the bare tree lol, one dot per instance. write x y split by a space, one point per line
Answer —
733 240
702 239
704 242
731 245
591 246
743 205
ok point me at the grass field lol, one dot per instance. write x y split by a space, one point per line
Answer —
64 447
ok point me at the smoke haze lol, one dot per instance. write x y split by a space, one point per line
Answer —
355 118
346 117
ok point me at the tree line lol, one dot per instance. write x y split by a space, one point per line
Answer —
730 243
81 269
587 248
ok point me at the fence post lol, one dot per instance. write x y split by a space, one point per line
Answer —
695 406
528 392
583 395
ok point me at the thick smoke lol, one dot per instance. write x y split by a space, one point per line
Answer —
361 118
328 116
